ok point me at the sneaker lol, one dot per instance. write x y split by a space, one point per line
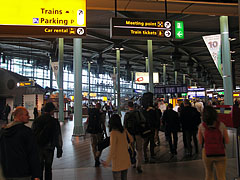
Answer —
139 169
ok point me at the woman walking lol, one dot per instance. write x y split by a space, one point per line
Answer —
118 154
212 134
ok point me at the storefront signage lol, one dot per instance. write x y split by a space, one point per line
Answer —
48 18
143 77
170 89
140 28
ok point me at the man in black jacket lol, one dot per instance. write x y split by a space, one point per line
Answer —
132 122
190 119
18 149
172 126
48 134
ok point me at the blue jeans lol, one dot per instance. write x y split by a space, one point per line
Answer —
120 175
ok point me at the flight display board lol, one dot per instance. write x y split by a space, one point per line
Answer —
140 28
43 18
170 89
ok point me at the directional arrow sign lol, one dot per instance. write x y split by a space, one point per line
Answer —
179 30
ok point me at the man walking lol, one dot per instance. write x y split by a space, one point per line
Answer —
48 134
172 126
190 119
132 122
96 127
18 149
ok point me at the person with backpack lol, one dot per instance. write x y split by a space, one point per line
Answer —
151 126
48 135
133 120
96 127
213 136
172 126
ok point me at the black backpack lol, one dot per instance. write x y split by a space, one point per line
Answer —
135 122
94 121
44 129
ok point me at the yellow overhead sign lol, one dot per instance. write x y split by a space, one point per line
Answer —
63 18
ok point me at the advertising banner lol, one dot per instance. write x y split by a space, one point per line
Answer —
213 43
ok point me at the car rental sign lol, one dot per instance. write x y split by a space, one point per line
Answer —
48 18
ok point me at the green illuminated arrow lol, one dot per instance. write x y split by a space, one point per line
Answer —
179 30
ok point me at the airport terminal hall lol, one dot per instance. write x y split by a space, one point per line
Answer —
120 90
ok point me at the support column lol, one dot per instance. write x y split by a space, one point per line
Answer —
184 78
176 77
114 86
190 82
118 82
164 74
132 83
146 62
150 65
226 59
89 82
51 74
77 68
60 80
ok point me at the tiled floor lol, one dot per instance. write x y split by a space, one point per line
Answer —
77 162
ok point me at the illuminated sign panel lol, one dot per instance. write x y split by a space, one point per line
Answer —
140 28
143 77
26 83
170 89
179 30
43 18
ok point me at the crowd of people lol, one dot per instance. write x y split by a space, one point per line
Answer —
25 153
143 125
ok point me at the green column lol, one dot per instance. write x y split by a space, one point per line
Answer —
150 65
164 74
175 77
118 82
51 74
146 62
60 79
226 60
89 82
132 82
114 86
184 78
77 68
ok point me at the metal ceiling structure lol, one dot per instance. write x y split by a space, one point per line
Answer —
200 19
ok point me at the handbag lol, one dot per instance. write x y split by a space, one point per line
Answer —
103 144
131 151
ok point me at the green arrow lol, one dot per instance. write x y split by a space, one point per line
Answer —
179 34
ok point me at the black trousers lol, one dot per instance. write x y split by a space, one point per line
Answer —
191 134
152 145
46 160
172 140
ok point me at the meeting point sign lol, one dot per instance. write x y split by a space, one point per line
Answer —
43 18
